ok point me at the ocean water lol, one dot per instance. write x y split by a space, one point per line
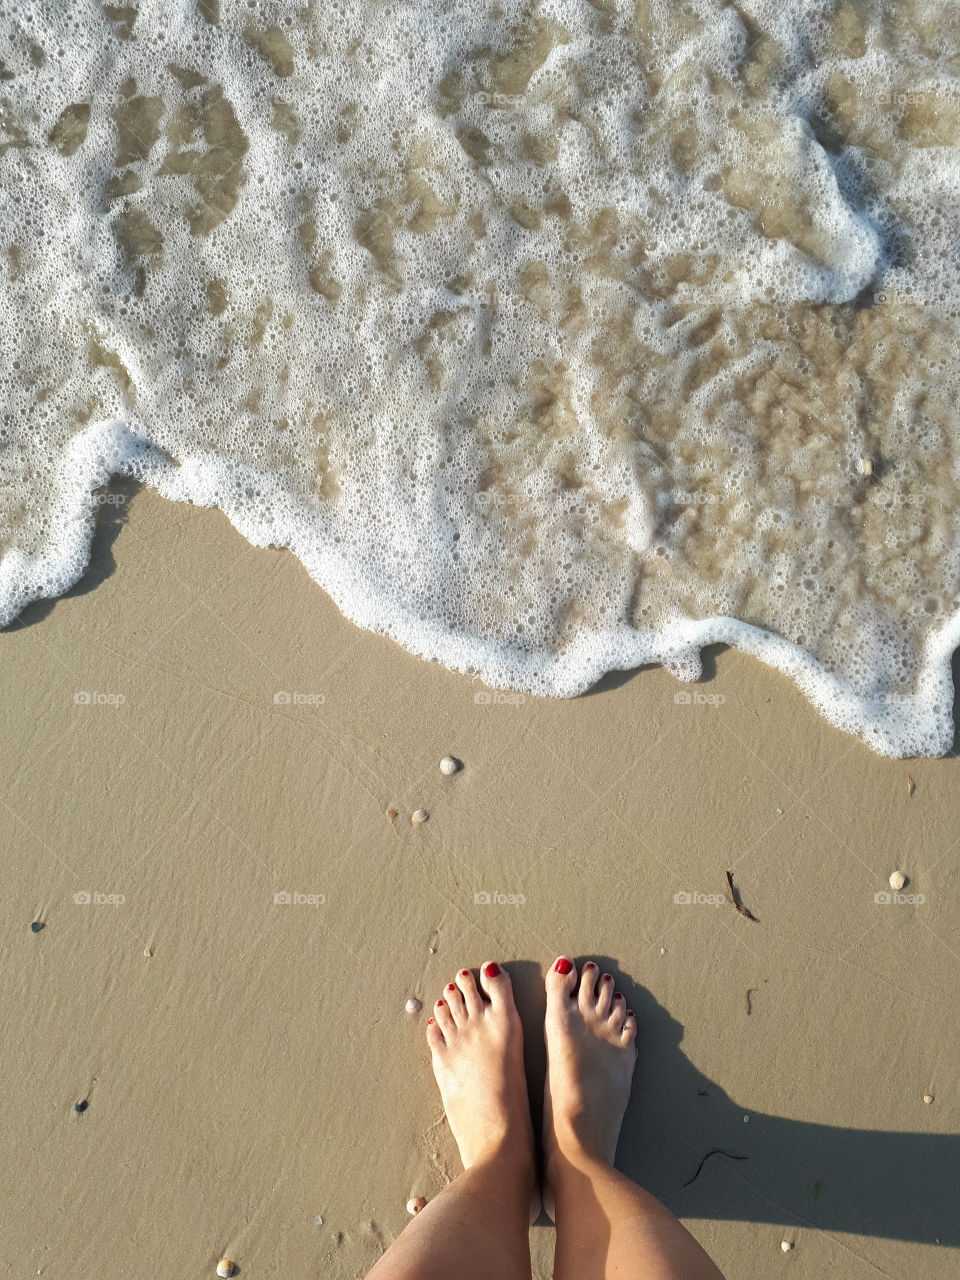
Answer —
553 338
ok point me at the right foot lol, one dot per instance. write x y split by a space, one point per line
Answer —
591 1054
477 1049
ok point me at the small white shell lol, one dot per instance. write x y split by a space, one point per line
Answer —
413 1005
449 765
416 1204
225 1267
897 880
786 1245
419 815
928 1098
865 466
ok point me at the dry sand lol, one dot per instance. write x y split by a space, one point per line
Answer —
249 1066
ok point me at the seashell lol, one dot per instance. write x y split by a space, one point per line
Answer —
419 815
897 880
416 1204
36 926
450 765
928 1098
786 1245
413 1005
865 466
225 1267
81 1106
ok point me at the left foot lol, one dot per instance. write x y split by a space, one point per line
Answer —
477 1048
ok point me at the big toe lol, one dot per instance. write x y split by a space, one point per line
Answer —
497 986
561 983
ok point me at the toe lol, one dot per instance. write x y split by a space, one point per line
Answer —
629 1032
441 1011
587 995
496 983
472 999
454 998
561 983
618 1012
434 1035
605 995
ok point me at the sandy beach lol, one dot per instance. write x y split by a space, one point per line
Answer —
198 761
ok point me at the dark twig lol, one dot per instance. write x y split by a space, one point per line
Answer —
735 899
717 1151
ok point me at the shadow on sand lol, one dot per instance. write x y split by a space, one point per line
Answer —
112 511
868 1182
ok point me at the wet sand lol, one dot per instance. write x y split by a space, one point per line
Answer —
255 1086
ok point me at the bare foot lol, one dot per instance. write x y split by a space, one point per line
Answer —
591 1054
477 1048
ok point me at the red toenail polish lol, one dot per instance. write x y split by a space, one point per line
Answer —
563 966
617 995
491 970
451 986
608 977
589 965
464 973
429 1020
439 1004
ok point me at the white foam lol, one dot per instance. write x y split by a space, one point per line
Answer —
533 337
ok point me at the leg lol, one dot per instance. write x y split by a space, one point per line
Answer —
607 1226
477 1228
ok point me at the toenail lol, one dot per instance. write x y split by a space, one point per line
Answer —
589 965
440 1004
464 973
608 977
563 966
617 995
429 1020
491 970
451 986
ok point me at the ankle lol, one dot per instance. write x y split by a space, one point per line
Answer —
570 1151
509 1152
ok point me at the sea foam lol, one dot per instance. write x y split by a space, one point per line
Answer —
552 338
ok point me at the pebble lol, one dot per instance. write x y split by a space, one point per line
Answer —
416 1204
663 951
225 1267
393 813
897 880
419 815
81 1106
318 1221
36 926
449 765
147 952
928 1098
865 466
786 1245
413 1005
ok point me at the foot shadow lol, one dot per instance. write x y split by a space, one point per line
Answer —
868 1182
